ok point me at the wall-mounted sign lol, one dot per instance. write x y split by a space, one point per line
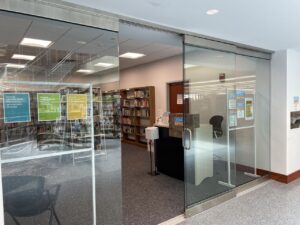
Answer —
16 107
49 106
248 108
179 99
76 106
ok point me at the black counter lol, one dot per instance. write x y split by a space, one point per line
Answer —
169 154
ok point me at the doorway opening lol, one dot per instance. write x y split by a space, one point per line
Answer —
149 61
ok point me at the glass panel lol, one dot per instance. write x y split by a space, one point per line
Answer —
209 156
227 121
59 122
252 132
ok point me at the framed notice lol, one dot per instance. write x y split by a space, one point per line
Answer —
16 107
248 108
76 106
179 99
49 106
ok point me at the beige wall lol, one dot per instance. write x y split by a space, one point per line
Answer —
156 74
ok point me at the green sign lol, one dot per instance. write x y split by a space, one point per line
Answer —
49 106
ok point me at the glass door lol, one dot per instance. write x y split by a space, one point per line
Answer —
60 152
224 145
209 146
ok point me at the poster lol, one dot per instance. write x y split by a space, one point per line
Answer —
296 102
76 106
231 100
179 99
232 120
240 96
240 110
49 106
16 107
248 108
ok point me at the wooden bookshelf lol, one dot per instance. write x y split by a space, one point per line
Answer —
137 113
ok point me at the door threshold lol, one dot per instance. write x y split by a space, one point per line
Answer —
236 192
175 220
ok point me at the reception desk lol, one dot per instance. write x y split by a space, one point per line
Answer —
169 154
199 159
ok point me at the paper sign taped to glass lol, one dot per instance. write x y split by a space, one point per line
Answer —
16 107
49 106
76 106
248 108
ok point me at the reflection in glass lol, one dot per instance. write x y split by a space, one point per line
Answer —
231 146
61 164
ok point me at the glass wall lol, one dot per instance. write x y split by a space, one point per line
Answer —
59 133
226 121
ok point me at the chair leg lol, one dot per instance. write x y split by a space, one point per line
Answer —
55 215
14 219
51 217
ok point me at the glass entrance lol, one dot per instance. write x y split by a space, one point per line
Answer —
220 133
60 160
209 149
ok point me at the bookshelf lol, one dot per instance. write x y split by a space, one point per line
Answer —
137 113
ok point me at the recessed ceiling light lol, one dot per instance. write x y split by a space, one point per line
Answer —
102 64
24 57
36 42
81 42
85 71
186 66
132 55
16 66
212 12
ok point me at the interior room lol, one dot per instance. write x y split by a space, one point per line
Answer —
145 88
134 126
60 132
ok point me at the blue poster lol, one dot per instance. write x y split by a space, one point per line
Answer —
240 94
16 107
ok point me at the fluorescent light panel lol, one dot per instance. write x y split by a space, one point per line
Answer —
15 66
24 57
212 12
36 42
132 55
85 71
186 66
106 65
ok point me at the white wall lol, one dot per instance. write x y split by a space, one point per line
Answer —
285 142
156 74
293 89
279 123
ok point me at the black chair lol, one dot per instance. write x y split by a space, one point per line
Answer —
26 196
216 122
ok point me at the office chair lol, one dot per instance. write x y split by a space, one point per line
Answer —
216 122
26 196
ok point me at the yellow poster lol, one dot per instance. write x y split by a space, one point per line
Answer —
76 106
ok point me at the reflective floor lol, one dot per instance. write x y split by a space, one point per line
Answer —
69 185
272 204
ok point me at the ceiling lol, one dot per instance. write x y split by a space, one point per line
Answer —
154 44
73 47
268 24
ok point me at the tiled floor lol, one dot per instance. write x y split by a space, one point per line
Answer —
271 204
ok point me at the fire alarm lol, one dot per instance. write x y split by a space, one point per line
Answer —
222 77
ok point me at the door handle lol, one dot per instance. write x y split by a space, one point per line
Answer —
187 132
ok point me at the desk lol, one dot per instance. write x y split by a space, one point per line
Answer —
199 159
169 154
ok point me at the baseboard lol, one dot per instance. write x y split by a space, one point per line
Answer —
249 169
285 178
275 176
